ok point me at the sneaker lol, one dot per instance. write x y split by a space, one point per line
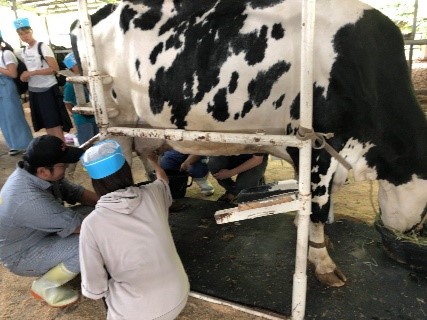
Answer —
205 186
13 152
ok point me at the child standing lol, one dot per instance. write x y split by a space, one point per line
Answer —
86 125
13 125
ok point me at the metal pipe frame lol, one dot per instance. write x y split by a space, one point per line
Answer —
306 118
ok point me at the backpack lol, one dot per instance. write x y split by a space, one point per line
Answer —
20 85
60 78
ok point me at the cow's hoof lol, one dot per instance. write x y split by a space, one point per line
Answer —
332 279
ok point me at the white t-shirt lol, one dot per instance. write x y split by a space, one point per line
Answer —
33 61
8 58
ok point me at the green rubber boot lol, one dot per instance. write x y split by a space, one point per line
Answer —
49 287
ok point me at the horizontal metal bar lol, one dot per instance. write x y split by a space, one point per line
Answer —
416 42
200 136
106 79
234 214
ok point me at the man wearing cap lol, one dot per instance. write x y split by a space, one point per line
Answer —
38 234
85 124
47 108
127 253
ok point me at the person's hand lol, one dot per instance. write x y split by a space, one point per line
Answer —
25 76
185 166
223 174
152 157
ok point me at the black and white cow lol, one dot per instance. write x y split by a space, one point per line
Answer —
234 66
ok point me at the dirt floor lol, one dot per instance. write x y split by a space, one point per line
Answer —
356 200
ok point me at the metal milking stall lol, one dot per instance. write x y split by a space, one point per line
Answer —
301 202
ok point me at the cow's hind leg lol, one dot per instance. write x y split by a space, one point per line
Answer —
325 269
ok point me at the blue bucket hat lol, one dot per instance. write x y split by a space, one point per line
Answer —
21 23
103 159
69 60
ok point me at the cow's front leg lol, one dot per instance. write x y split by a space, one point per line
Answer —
325 269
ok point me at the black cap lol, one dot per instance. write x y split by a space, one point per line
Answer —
47 150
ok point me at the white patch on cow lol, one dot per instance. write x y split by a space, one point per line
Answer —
401 204
353 152
319 256
324 182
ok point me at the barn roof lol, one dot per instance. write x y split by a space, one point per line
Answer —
53 6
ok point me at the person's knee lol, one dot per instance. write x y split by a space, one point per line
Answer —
198 170
215 164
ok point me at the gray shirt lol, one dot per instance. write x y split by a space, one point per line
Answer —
31 209
128 234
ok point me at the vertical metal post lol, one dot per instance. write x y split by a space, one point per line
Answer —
413 33
299 287
95 81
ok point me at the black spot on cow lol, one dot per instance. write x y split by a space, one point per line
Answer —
290 130
148 19
236 116
101 14
259 88
320 105
126 16
247 106
137 65
260 4
277 32
155 52
232 86
319 212
252 44
210 41
219 109
278 103
156 93
173 42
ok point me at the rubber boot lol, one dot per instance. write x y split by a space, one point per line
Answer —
49 287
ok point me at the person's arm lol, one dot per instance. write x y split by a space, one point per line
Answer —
160 173
69 107
192 158
89 198
245 166
11 64
9 71
94 277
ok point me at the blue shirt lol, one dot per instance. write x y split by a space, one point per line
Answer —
70 97
31 209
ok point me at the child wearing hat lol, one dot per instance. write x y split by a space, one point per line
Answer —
13 125
85 124
127 253
47 108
